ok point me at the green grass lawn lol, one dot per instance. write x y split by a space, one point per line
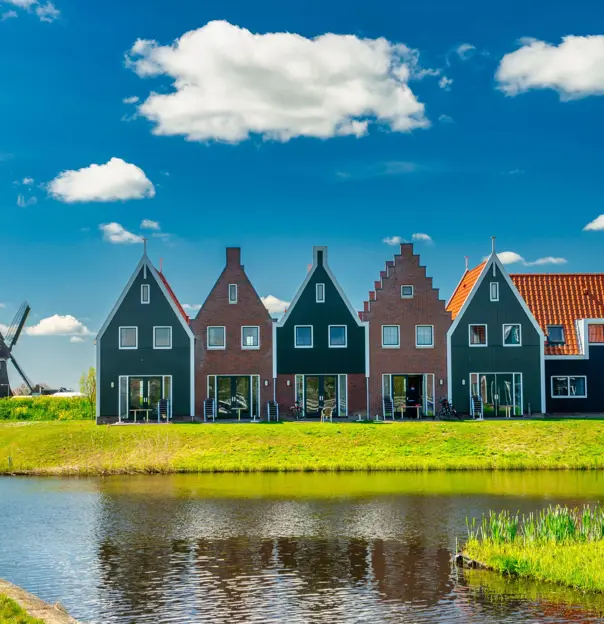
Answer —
85 448
556 545
12 613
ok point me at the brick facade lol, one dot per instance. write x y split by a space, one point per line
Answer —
387 307
233 360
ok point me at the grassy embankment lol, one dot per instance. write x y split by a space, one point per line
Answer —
12 613
85 448
557 545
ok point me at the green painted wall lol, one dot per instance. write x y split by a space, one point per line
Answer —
145 360
320 359
495 358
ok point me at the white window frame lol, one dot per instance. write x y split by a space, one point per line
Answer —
407 296
567 396
119 337
396 346
495 296
209 347
317 298
486 334
312 337
418 346
246 347
345 337
161 327
503 334
146 287
231 299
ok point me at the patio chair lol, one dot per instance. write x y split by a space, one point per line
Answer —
327 414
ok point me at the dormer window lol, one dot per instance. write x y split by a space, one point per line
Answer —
145 293
232 293
320 289
494 291
406 292
555 335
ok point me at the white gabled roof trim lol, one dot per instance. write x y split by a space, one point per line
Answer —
145 262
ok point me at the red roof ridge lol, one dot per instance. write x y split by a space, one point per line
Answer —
463 289
174 298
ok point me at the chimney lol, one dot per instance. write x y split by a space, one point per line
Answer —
467 260
233 256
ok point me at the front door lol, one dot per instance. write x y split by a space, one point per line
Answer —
234 397
145 393
407 394
501 393
320 391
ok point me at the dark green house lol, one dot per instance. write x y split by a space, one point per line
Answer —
145 353
321 352
494 347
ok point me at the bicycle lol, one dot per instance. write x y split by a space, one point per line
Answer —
447 411
296 411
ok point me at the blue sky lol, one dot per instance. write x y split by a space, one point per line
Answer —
486 123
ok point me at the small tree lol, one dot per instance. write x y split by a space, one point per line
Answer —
88 387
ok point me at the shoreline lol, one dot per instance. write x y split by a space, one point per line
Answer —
36 607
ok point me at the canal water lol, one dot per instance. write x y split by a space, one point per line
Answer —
316 548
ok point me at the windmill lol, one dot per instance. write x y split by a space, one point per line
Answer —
7 344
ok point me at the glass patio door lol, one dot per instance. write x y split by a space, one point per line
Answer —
501 393
144 394
320 391
234 397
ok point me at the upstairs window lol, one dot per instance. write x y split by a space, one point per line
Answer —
391 336
162 337
232 293
320 293
406 292
145 293
512 335
250 337
595 334
478 335
494 291
337 336
555 334
128 337
424 336
303 336
216 337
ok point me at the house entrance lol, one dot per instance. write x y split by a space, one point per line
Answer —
320 391
234 396
409 395
140 396
501 393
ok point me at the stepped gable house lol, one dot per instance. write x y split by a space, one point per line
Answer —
408 326
145 353
570 310
234 348
494 346
321 350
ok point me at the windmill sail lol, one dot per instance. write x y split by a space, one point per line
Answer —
23 375
7 343
16 327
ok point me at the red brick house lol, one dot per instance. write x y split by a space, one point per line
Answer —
408 327
234 346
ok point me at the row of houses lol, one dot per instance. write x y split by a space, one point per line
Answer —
509 345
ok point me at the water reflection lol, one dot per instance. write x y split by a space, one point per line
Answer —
273 548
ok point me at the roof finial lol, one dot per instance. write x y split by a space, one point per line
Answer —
493 244
161 265
467 259
144 246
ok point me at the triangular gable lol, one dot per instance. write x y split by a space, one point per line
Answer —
332 277
165 289
463 290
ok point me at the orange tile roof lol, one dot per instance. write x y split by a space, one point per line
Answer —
171 293
464 288
562 299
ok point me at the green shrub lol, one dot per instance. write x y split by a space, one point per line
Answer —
45 408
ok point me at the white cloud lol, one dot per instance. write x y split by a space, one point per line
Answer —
511 257
191 307
113 181
515 172
419 236
45 12
393 240
27 181
596 225
9 15
147 224
465 51
76 339
445 83
115 233
574 68
22 202
58 325
445 119
131 100
274 305
230 83
2 305
22 4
